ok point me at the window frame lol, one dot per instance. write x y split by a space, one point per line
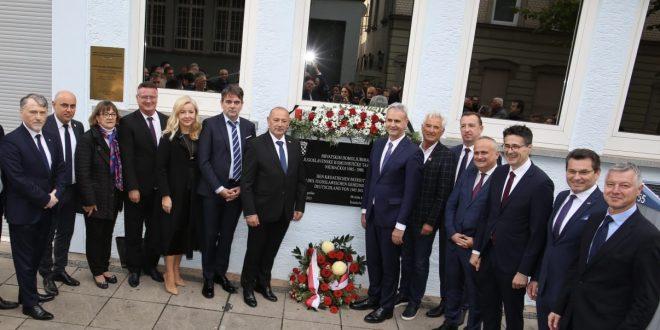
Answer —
516 16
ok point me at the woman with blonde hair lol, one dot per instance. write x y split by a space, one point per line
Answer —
178 175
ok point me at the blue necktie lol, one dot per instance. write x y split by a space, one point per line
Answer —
600 237
463 164
562 214
388 153
282 155
236 146
68 157
42 151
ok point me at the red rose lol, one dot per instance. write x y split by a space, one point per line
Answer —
311 116
334 310
363 115
324 287
326 273
354 268
296 271
350 287
327 301
292 278
342 112
302 278
326 265
337 293
355 296
352 111
340 255
298 113
329 114
329 124
343 123
374 118
348 300
361 125
373 130
320 258
332 255
349 257
310 251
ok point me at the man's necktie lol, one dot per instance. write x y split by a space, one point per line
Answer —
562 215
42 151
600 237
282 155
461 168
388 153
152 129
507 189
68 156
236 146
477 188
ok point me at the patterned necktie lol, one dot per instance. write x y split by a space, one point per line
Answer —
477 188
562 215
507 189
461 167
68 156
152 129
388 153
236 147
600 237
42 151
282 155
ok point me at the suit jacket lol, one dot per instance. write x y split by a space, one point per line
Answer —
95 183
618 288
438 180
463 213
561 251
390 194
214 154
77 129
265 189
29 181
138 152
519 224
458 150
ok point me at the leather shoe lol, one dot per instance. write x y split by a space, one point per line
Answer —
224 283
65 278
363 304
267 293
248 297
446 326
37 312
133 279
4 304
437 311
155 275
208 290
111 279
401 300
378 316
49 286
45 297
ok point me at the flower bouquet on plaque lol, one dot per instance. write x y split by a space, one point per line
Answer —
326 274
332 122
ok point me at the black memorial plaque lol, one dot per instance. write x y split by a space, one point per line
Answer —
335 173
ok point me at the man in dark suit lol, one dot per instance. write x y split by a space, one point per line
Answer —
33 165
569 217
390 190
67 131
464 210
511 236
4 304
220 160
427 215
613 284
139 134
273 193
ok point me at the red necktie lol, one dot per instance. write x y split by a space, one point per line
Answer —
477 188
507 189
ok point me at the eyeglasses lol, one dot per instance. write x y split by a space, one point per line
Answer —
513 147
582 172
147 97
108 115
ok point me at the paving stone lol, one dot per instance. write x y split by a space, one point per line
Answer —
419 322
191 296
10 292
38 325
177 317
87 285
6 269
353 318
306 325
8 322
264 307
148 290
40 280
128 314
241 321
298 311
75 308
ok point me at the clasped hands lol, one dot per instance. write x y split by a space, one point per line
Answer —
230 194
53 200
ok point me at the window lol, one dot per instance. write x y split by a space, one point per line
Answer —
228 26
189 25
504 12
155 33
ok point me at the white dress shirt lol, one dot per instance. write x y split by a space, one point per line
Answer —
427 152
43 144
72 136
580 198
277 147
157 128
488 174
470 155
519 172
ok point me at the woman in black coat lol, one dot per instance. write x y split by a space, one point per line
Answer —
178 174
99 180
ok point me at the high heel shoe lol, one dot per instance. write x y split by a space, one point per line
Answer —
170 285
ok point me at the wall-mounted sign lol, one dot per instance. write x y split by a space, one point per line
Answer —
107 74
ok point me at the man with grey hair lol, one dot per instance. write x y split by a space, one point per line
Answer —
497 108
427 216
614 282
34 168
390 190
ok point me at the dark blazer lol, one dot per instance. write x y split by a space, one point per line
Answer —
265 189
519 225
560 252
438 174
29 182
395 187
618 288
463 213
214 156
138 152
77 129
95 184
458 150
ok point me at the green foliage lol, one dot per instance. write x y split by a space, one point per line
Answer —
559 16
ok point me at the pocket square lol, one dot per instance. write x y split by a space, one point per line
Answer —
584 218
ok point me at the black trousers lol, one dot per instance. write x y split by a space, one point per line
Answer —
415 255
494 291
219 223
141 253
442 246
383 264
263 243
28 243
461 286
98 243
61 231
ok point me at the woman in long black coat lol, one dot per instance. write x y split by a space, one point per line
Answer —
99 180
178 175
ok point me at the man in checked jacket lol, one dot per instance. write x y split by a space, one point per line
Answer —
427 216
